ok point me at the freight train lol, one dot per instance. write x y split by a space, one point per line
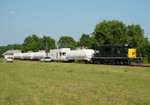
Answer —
118 54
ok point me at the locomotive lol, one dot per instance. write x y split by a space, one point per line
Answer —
118 54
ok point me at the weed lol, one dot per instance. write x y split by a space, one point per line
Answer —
125 70
70 71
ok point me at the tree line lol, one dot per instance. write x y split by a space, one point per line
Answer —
105 32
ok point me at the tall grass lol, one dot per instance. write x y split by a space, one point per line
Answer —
39 83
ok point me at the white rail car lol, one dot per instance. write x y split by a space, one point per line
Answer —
18 55
80 55
58 54
37 55
26 56
30 55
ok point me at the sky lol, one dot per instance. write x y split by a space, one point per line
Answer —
56 18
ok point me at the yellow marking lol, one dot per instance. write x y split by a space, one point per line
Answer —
131 53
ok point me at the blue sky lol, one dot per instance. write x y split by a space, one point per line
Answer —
56 18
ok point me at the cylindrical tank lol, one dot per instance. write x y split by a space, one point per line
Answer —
17 55
26 55
36 55
83 54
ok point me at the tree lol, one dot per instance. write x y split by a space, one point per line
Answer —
87 41
135 35
47 43
34 43
9 47
27 44
2 50
31 43
67 42
111 32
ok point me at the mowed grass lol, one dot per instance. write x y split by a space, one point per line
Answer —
40 83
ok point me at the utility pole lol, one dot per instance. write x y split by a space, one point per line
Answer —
12 47
57 43
46 45
46 49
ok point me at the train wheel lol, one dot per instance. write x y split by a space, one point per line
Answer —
125 62
94 61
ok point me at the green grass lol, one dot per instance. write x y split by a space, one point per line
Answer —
39 83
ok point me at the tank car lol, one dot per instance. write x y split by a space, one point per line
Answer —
26 56
37 55
80 55
17 55
118 54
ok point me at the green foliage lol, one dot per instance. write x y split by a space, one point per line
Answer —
9 47
31 43
47 43
2 50
14 47
87 41
111 32
115 32
34 43
67 42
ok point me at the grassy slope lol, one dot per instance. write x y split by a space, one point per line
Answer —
33 82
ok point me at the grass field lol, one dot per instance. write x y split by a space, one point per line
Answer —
39 83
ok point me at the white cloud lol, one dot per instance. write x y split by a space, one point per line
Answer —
12 12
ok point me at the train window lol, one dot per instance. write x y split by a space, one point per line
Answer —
97 51
64 53
126 44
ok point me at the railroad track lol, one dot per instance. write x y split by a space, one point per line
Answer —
133 65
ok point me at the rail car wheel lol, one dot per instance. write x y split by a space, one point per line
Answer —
125 62
94 61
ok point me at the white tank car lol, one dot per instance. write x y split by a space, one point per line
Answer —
26 55
17 55
37 55
80 55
